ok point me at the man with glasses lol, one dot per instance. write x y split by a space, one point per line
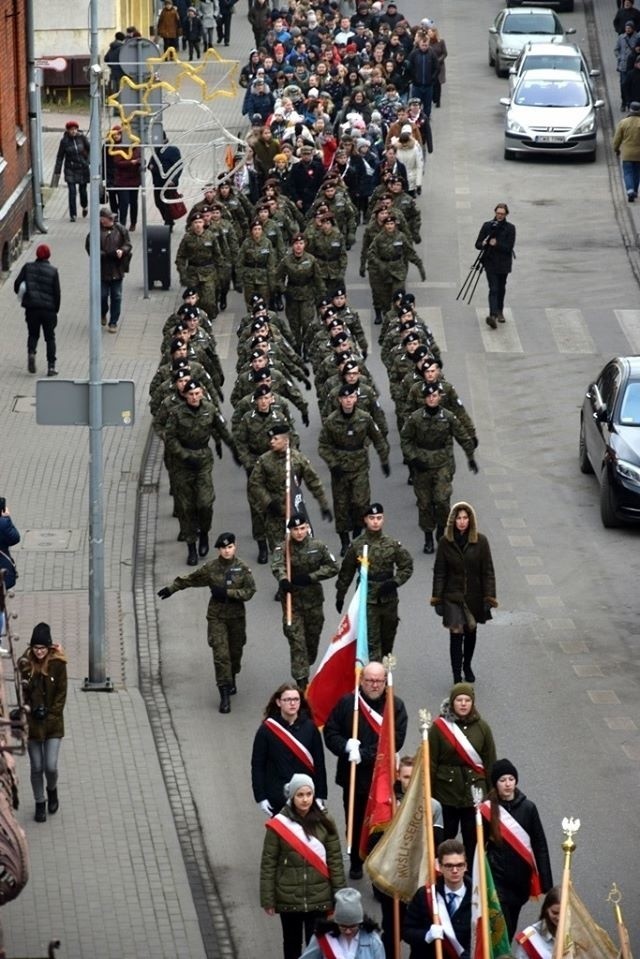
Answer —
453 894
497 239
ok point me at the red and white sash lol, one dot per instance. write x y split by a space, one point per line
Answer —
310 848
372 717
300 752
534 944
519 840
452 947
331 947
456 738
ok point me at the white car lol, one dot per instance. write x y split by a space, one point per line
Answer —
549 56
551 112
513 29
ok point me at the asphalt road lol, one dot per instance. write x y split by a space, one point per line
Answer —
558 669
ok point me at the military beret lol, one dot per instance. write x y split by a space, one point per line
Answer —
254 223
177 344
297 237
189 291
260 307
196 215
339 291
256 298
256 354
178 330
398 295
321 210
350 366
258 325
190 312
341 358
411 338
324 302
340 338
420 354
335 324
180 373
391 218
279 429
225 539
347 390
263 390
406 324
330 314
296 520
328 184
375 509
204 209
192 385
327 218
180 364
258 341
259 375
430 388
409 299
433 361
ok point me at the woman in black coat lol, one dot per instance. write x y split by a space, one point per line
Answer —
464 586
41 302
73 154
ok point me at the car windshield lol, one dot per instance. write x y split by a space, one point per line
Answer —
531 23
630 409
551 62
552 93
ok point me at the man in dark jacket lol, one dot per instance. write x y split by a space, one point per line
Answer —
361 750
165 167
453 892
497 239
115 256
306 177
424 68
41 303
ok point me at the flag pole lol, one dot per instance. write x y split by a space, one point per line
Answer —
425 723
615 898
287 534
477 795
389 662
569 827
360 656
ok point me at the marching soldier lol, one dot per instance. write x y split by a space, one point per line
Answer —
427 445
388 259
367 396
232 585
341 208
330 251
298 275
350 317
161 384
196 261
256 265
310 563
407 206
248 382
390 566
224 230
449 400
343 445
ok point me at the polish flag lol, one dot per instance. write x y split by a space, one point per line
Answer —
333 678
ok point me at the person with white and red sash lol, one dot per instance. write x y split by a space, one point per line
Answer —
462 753
538 941
516 845
348 935
453 892
362 749
287 742
301 868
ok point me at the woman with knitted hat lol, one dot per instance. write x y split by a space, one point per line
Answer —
43 671
73 155
301 868
39 283
348 933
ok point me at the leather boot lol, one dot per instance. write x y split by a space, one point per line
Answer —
225 703
52 371
345 542
378 318
52 804
31 366
468 651
233 689
455 653
203 544
428 542
263 552
41 812
192 555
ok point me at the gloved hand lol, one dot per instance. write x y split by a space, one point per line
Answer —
192 463
164 593
305 419
285 586
339 604
218 592
417 465
388 588
386 469
423 274
473 466
275 507
475 442
219 449
306 370
487 610
336 472
236 458
301 579
265 806
248 470
439 608
352 750
435 932
327 515
364 354
220 395
362 271
348 245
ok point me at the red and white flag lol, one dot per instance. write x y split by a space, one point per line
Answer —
333 678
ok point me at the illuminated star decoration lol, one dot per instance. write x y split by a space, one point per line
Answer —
126 152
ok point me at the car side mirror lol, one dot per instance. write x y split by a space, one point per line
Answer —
598 104
570 30
505 101
512 71
493 30
594 73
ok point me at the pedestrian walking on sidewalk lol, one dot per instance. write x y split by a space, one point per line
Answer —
626 143
43 671
115 257
41 304
73 155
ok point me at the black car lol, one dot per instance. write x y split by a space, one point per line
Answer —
610 439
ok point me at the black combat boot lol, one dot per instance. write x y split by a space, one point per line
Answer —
52 797
233 689
203 544
263 552
41 812
468 651
225 702
52 371
455 653
378 318
192 555
345 542
31 366
428 542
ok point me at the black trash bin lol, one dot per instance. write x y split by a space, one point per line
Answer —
159 256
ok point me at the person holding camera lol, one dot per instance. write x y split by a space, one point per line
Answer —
43 672
497 239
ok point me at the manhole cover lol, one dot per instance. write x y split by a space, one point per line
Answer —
51 539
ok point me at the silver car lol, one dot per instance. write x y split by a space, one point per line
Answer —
549 56
513 29
551 112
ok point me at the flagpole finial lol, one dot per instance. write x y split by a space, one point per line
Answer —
570 826
615 896
389 662
477 795
424 721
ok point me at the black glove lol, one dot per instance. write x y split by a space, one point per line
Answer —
349 245
248 470
475 442
218 592
388 588
473 466
220 395
339 604
327 515
218 445
192 463
417 465
362 271
419 190
164 593
307 384
278 305
305 419
386 469
285 586
305 370
236 458
336 472
275 507
439 608
301 579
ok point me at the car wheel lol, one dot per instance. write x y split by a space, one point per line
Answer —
607 504
583 460
509 155
491 60
499 71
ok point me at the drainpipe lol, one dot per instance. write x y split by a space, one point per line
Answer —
35 138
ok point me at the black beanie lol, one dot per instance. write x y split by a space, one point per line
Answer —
41 635
503 767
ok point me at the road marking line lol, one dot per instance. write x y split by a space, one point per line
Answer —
570 331
432 316
602 697
503 340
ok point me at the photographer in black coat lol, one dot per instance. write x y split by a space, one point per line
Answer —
497 239
41 303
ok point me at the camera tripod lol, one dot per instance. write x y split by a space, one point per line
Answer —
470 285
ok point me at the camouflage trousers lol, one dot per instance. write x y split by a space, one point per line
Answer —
300 314
274 527
193 495
226 635
332 277
257 519
382 626
303 636
351 496
433 494
206 284
383 286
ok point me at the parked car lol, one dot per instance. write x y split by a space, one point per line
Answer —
513 29
609 444
550 56
563 6
551 112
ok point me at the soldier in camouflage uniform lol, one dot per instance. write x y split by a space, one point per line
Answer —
161 384
343 444
340 207
278 321
256 266
390 566
298 276
310 563
388 260
427 445
431 372
268 483
406 205
234 203
272 230
350 317
197 260
329 249
231 584
249 381
227 237
367 396
188 431
190 301
246 404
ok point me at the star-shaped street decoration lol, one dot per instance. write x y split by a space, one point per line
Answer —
125 112
122 150
213 76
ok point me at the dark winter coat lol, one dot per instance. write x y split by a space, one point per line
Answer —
510 871
418 920
451 778
288 883
127 171
498 258
305 181
273 764
43 287
424 66
463 575
73 153
113 238
45 684
9 536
